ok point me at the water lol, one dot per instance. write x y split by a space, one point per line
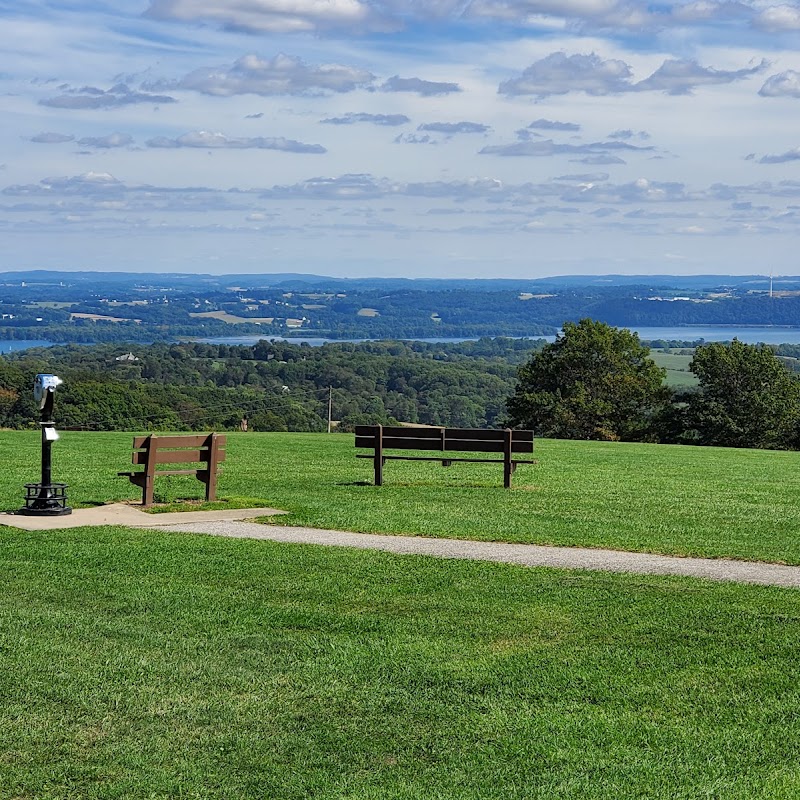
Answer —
709 333
750 334
10 345
684 333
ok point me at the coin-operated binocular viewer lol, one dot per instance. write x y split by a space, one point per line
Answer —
46 498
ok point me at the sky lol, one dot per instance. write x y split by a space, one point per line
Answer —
447 138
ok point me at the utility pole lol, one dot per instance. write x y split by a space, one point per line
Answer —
330 406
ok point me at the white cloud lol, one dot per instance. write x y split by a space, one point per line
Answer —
538 11
776 19
548 147
281 75
419 86
450 128
47 137
628 16
90 183
784 84
216 141
626 134
413 138
273 16
90 97
789 155
559 73
345 187
355 16
584 177
351 118
553 125
603 160
681 76
708 11
106 142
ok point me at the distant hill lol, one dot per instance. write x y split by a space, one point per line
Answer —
309 282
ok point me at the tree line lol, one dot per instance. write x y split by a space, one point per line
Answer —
597 382
274 385
594 382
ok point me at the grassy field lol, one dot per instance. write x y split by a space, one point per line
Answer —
232 319
148 664
666 499
677 367
139 664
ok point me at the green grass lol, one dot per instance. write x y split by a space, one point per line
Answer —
149 664
677 367
667 499
139 664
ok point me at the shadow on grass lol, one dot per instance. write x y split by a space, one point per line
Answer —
167 505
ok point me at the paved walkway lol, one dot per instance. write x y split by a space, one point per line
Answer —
525 554
131 516
230 523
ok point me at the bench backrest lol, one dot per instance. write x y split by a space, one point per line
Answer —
471 440
187 449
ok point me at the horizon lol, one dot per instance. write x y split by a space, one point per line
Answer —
575 279
525 139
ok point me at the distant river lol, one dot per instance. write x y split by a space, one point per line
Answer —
723 333
10 345
709 333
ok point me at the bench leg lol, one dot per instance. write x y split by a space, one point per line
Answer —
211 476
379 456
508 467
147 490
149 471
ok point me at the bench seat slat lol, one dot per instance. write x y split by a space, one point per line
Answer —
450 445
448 458
435 433
419 433
190 440
200 471
176 456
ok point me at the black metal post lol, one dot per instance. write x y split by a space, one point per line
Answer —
47 444
46 498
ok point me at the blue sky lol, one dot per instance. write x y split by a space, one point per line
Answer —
452 138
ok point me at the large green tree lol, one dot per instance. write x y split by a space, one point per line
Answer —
747 397
593 382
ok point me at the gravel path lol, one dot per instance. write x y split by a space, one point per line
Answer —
525 554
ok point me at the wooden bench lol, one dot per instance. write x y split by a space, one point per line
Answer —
152 451
465 440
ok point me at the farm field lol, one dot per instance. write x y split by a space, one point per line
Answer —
232 319
654 498
677 367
